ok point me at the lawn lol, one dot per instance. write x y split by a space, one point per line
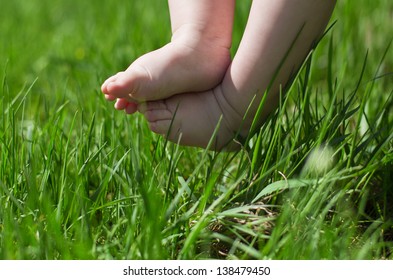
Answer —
79 180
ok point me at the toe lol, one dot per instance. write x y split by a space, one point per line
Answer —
127 84
161 118
131 108
104 86
109 97
160 126
121 104
155 111
151 106
158 115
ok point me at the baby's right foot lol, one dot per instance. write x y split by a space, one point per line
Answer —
175 68
192 119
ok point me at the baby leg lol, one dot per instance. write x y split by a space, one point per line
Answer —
275 30
195 60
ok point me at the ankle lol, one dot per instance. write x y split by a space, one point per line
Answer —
199 37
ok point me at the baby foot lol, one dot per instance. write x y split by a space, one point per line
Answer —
175 68
191 119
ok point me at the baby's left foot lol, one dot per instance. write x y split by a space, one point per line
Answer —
175 68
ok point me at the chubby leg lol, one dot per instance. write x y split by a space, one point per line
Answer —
273 27
195 60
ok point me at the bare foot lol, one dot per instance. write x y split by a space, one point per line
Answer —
175 68
278 37
191 119
195 60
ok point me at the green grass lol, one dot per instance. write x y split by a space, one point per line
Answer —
79 180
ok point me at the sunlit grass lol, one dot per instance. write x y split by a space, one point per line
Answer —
79 180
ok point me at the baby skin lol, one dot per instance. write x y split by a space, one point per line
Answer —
195 60
192 93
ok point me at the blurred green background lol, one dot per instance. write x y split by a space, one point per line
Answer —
73 171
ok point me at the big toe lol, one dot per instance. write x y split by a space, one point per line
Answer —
126 84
